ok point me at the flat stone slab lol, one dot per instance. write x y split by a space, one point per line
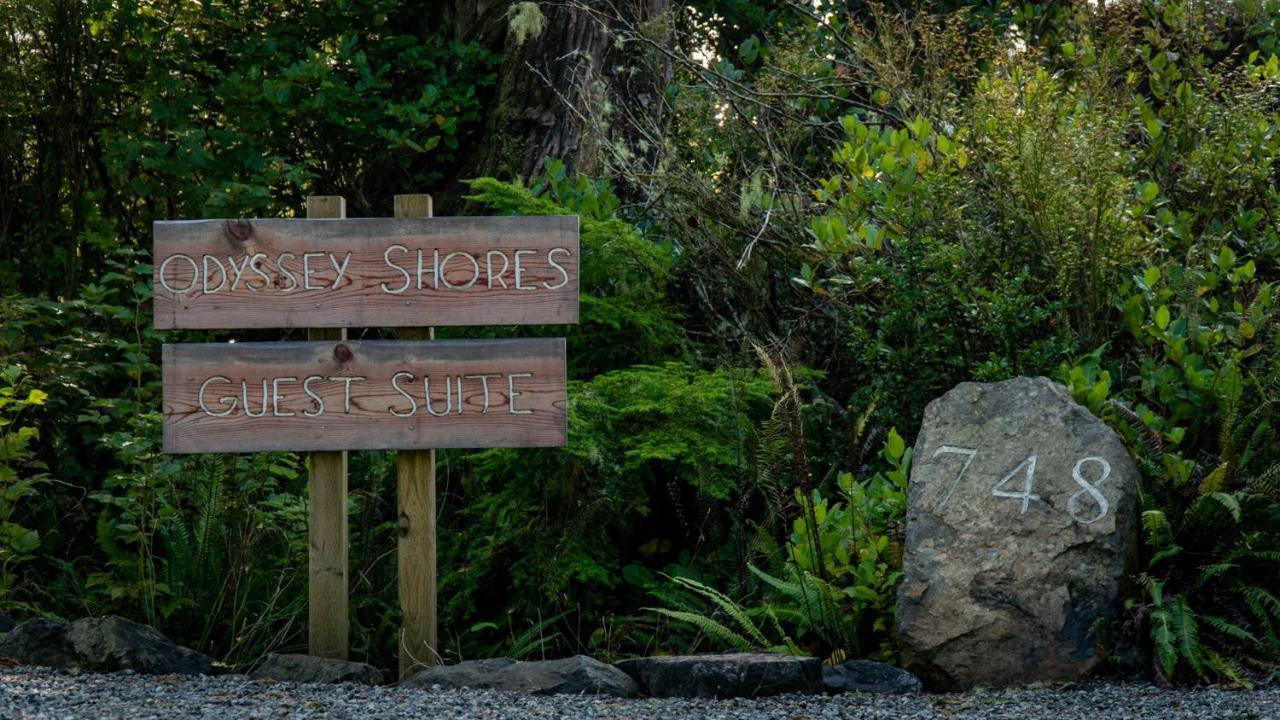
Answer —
869 676
577 675
1021 529
306 668
104 644
729 675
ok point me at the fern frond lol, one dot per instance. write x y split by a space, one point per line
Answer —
1227 501
1214 571
728 607
1264 605
1187 630
1159 530
1225 627
1162 641
709 627
1227 668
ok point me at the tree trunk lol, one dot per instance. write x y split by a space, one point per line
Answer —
562 90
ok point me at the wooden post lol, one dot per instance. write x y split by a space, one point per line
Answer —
327 513
416 497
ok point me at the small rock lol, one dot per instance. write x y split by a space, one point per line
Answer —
578 675
105 644
306 668
870 677
727 675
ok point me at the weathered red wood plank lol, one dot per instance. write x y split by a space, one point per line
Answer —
366 272
352 395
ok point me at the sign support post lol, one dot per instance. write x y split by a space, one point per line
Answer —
416 501
327 621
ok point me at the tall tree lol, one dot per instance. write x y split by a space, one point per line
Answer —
570 87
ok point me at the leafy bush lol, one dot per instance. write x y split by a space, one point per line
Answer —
20 475
1200 413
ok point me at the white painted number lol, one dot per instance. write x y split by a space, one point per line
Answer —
958 451
1073 503
1028 482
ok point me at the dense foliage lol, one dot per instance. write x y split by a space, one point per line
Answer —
841 211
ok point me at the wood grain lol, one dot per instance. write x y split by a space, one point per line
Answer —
416 501
367 423
263 280
328 624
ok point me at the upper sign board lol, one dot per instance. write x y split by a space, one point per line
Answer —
366 272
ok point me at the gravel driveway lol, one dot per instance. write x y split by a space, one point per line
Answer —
40 693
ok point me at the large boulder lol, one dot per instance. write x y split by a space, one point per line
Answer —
310 669
578 675
868 676
104 644
1020 532
730 675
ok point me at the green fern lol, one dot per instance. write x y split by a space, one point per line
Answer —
747 633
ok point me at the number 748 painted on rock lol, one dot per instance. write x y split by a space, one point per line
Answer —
1028 483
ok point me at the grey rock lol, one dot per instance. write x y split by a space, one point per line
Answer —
6 623
306 668
870 677
578 675
1008 563
105 644
730 675
38 642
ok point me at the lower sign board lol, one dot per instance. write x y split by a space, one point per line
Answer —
353 395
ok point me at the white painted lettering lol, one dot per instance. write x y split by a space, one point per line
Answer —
319 401
386 257
971 453
253 265
339 269
1028 481
230 407
475 270
484 386
284 270
1073 502
276 397
512 393
448 395
195 274
222 274
520 270
413 404
244 394
564 274
306 271
346 390
488 264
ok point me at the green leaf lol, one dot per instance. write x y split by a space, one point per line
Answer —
1151 276
1162 317
895 445
1226 259
1150 191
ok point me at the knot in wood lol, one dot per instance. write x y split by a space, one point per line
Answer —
342 353
238 231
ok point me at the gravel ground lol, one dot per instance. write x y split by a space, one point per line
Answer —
41 693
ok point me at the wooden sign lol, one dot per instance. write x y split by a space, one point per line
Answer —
366 272
352 395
